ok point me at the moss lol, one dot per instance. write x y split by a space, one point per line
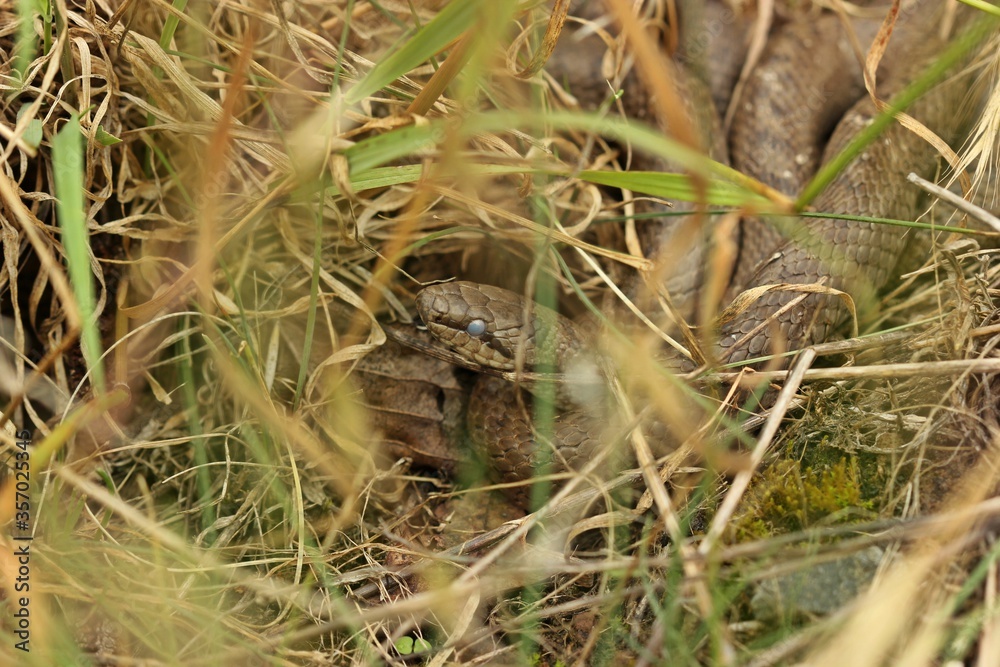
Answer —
869 467
788 497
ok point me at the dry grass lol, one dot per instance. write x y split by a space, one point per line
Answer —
229 495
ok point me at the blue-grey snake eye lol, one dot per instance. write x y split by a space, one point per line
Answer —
476 328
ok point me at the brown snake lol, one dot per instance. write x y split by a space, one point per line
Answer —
807 85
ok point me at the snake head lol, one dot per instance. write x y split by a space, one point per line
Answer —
485 325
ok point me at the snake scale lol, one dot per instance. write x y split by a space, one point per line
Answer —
802 104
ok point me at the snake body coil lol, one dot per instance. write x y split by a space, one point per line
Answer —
805 82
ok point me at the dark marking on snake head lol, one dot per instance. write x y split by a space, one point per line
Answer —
498 345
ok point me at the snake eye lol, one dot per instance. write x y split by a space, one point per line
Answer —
476 328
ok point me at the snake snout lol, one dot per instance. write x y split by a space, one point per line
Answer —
431 306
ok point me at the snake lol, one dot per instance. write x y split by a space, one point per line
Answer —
802 104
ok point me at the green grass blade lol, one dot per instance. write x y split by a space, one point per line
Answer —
656 184
673 186
733 188
982 5
25 46
384 148
445 28
170 25
67 164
